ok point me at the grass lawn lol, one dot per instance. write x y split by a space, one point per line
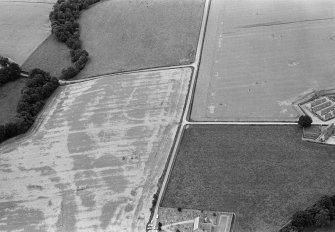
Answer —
262 173
51 56
10 94
122 35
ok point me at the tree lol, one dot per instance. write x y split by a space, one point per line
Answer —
69 72
11 129
40 85
76 54
324 202
9 71
48 89
160 226
302 219
305 121
4 61
333 199
2 133
65 27
14 71
322 218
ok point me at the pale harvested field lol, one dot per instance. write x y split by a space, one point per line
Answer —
24 25
94 162
260 55
123 35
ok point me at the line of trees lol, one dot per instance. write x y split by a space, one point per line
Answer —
154 202
64 23
318 215
38 89
9 71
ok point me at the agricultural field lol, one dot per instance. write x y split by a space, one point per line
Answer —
93 162
123 35
10 94
24 26
51 56
259 56
263 174
120 36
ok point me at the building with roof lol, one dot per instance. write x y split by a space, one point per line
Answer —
326 133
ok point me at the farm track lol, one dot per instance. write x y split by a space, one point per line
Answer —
62 82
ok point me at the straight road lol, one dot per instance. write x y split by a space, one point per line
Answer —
187 109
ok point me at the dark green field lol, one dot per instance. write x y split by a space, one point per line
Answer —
10 95
262 173
51 56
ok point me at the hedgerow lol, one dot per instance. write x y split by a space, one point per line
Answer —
318 215
9 71
38 89
64 23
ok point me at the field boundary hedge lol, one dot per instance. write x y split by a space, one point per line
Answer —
9 71
319 215
39 87
65 27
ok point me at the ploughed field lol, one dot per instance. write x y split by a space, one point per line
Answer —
259 56
93 161
24 26
263 174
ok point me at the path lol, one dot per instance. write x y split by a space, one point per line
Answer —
165 227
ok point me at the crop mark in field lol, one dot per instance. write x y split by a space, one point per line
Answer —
278 23
292 63
125 114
